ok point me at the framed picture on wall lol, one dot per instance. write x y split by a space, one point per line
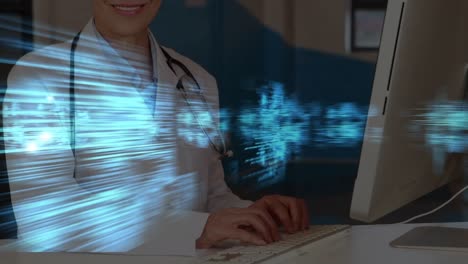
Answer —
366 24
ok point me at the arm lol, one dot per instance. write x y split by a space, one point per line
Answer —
40 165
255 223
220 195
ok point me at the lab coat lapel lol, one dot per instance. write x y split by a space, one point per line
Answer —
186 185
166 76
166 97
166 121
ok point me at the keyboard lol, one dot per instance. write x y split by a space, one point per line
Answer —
258 254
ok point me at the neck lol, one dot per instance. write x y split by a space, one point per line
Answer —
136 49
138 42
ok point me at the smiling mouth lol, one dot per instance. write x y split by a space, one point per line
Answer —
129 10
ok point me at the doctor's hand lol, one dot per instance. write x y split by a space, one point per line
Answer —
292 213
248 225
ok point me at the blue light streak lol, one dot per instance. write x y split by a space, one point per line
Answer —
114 196
126 170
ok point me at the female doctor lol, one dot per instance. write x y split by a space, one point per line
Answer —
96 156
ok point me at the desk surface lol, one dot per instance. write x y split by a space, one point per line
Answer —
360 245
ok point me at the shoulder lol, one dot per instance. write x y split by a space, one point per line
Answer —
52 59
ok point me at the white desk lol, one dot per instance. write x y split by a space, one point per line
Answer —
360 245
370 245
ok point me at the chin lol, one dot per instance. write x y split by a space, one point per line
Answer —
126 17
129 28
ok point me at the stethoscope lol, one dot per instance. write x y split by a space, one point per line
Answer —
222 151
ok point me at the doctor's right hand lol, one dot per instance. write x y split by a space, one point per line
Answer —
244 224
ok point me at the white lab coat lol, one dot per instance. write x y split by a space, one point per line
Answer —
170 186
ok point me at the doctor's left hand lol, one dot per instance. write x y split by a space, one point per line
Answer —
290 212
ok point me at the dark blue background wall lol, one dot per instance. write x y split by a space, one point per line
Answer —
241 53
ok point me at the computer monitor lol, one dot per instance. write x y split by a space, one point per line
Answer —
420 70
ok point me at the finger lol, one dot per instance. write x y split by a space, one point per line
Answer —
279 210
249 219
272 226
305 215
295 211
298 211
246 237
